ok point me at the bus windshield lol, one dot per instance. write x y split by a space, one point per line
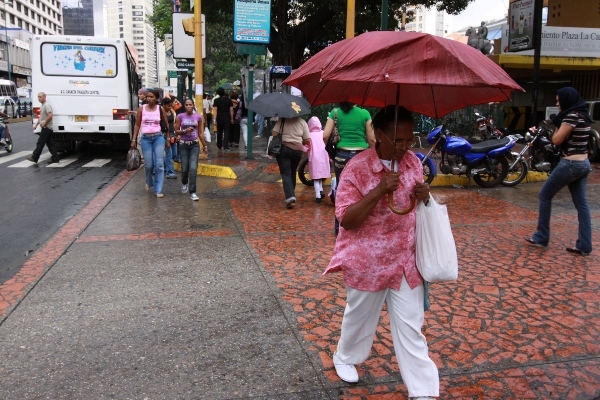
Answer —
63 59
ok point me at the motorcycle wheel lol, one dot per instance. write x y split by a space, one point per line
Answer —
9 143
494 177
517 173
428 171
303 173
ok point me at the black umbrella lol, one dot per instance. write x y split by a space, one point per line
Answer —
279 105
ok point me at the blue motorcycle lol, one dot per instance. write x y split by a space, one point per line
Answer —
485 162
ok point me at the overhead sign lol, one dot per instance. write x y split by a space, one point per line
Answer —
559 41
520 21
183 45
252 21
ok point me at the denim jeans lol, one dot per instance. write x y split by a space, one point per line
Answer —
572 174
2 132
169 168
189 164
260 121
341 159
288 161
175 151
153 148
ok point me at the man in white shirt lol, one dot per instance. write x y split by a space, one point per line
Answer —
259 119
207 102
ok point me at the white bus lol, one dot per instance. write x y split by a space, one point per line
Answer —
90 82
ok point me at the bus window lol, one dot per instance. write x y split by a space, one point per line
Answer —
66 59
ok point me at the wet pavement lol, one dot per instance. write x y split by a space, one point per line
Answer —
223 298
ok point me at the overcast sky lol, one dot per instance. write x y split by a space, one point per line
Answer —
480 10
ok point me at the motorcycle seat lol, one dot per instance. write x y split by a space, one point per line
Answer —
489 145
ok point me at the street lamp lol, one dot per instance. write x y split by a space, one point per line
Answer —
4 3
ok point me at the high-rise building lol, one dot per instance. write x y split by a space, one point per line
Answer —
126 19
79 20
429 20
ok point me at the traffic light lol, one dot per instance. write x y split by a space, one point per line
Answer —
188 26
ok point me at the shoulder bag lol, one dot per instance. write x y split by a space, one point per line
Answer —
274 147
334 138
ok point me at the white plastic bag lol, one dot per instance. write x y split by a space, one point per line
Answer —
206 134
435 248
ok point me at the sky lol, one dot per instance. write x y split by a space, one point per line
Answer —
480 10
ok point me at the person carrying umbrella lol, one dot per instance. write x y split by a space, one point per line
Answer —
376 251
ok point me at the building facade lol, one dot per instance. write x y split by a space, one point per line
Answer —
126 19
79 20
432 21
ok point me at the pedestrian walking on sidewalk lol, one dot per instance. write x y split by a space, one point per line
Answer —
319 167
376 251
294 134
147 124
224 115
244 121
167 105
572 137
45 139
188 126
235 129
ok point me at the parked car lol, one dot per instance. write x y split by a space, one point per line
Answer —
8 106
594 110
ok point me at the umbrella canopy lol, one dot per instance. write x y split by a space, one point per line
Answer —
227 86
279 104
424 73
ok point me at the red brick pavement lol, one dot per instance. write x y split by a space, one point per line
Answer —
520 322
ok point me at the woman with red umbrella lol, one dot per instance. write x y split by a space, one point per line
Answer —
376 251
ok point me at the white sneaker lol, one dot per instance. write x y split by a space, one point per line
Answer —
346 372
2 142
159 195
194 197
184 188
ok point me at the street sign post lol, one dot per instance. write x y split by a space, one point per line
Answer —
185 64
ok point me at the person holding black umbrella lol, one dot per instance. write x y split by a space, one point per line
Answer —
294 134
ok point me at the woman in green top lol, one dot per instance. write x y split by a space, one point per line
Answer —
356 134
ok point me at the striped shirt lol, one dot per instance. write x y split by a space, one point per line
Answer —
577 141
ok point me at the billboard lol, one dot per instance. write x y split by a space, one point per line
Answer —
520 20
252 21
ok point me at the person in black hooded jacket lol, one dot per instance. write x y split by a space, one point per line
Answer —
572 136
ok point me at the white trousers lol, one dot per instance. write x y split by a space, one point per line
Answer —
405 309
318 187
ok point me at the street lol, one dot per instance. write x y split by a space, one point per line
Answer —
38 199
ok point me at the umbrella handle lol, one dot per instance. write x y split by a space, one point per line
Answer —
413 201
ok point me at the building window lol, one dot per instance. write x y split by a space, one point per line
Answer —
18 6
20 22
138 19
121 23
26 11
12 19
121 29
121 35
140 13
120 16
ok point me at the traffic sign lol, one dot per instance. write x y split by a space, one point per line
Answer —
185 64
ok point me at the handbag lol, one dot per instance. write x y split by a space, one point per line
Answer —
334 138
435 248
134 159
274 147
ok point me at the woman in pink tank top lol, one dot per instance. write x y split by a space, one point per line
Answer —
147 123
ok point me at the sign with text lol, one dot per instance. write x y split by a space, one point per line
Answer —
558 41
521 25
79 59
252 21
185 64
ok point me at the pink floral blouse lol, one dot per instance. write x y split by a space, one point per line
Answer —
376 255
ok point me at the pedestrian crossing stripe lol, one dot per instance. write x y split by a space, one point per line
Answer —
14 156
95 163
26 163
99 162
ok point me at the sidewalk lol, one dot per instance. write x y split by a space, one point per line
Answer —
145 298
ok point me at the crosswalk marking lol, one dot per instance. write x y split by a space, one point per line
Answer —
63 163
25 163
14 156
99 162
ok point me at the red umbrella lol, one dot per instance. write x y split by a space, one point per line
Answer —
424 73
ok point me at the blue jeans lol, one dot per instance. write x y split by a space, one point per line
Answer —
572 174
288 161
189 164
153 148
2 132
169 168
341 159
175 151
260 121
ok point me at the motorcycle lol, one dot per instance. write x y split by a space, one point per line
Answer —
485 162
540 155
487 129
8 147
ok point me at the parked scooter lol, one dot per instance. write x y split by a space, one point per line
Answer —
485 162
539 155
487 129
8 147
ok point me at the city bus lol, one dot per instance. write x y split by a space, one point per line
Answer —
91 84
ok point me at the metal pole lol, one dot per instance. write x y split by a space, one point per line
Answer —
198 75
7 40
350 7
537 44
384 14
250 134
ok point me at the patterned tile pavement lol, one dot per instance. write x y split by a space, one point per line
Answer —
520 322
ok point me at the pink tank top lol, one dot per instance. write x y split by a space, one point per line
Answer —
150 121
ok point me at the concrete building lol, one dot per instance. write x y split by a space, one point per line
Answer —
126 19
84 17
20 19
432 21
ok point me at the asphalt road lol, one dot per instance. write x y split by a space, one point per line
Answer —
36 200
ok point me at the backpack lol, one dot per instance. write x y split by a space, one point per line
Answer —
238 113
